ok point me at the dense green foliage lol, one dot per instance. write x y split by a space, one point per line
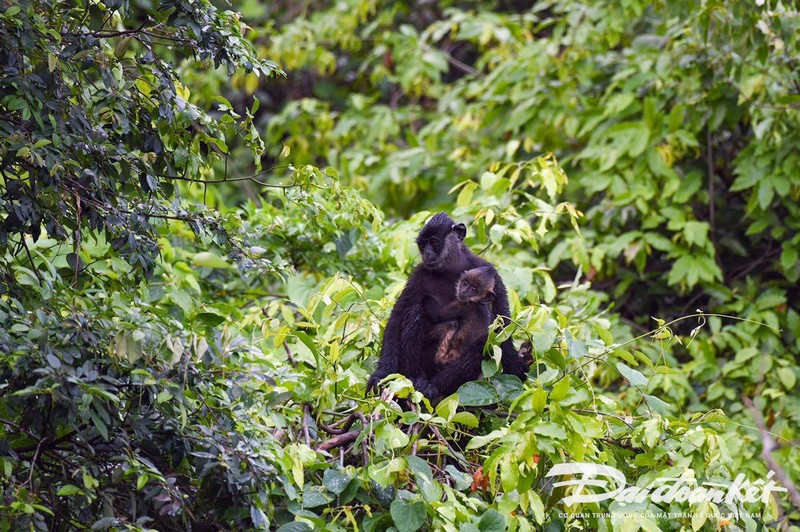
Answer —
198 258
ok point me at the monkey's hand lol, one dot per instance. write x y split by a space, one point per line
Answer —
526 352
427 389
374 379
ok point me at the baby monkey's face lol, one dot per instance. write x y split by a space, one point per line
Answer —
467 291
475 285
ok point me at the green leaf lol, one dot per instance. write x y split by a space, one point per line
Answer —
477 393
788 377
259 518
656 404
430 490
99 424
551 430
465 418
547 376
208 319
43 508
295 526
639 141
508 387
408 516
634 377
387 436
316 496
163 397
509 472
182 299
492 521
122 47
560 389
67 490
788 257
577 349
335 481
210 260
419 467
696 233
536 506
479 441
543 339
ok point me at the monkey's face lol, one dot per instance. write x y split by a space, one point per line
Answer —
439 242
468 292
475 286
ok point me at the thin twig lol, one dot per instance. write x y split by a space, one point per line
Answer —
306 434
292 361
51 444
767 446
33 463
18 428
30 258
413 433
453 452
340 427
710 164
463 67
364 450
227 180
112 34
620 443
599 413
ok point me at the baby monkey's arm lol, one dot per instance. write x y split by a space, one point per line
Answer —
439 314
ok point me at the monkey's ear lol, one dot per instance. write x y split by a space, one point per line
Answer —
460 230
489 295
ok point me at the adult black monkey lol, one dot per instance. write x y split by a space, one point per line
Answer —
407 347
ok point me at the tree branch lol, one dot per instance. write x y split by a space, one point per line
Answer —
338 441
767 446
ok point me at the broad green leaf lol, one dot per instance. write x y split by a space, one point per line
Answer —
634 377
477 393
656 404
509 472
550 429
492 521
210 260
335 481
788 377
68 489
316 496
408 516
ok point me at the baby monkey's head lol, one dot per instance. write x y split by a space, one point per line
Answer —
476 285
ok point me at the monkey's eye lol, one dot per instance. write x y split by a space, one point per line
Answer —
435 243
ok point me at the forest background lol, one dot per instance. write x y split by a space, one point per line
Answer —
209 210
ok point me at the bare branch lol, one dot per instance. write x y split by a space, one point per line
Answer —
767 446
338 441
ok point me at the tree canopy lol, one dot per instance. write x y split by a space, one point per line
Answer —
207 212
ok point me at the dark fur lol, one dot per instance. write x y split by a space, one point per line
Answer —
462 326
407 347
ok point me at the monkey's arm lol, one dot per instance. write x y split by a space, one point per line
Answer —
465 368
442 313
388 361
513 363
402 337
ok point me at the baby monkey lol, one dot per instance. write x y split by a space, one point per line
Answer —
462 326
